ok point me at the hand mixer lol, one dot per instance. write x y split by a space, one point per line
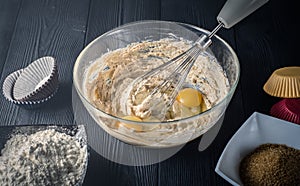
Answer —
173 73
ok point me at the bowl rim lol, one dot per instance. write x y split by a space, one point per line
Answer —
196 28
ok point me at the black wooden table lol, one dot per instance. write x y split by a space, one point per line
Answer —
29 29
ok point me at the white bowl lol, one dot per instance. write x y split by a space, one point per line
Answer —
257 130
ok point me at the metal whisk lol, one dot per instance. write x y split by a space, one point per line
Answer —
171 75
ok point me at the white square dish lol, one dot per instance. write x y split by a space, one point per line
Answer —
257 129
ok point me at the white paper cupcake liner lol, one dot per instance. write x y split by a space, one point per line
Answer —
37 81
7 88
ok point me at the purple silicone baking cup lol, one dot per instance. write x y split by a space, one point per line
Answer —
38 80
7 88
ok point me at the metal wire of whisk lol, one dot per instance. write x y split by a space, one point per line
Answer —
172 75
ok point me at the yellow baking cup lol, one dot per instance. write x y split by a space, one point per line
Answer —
284 83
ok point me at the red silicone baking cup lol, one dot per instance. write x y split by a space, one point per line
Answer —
287 109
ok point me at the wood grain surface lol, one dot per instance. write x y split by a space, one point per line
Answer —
29 29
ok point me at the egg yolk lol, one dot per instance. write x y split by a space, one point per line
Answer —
189 97
132 118
135 127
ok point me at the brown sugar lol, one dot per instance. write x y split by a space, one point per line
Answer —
271 164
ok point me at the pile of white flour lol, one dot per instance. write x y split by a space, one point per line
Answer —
46 157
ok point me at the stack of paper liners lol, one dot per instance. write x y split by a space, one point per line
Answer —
8 85
34 85
37 81
284 83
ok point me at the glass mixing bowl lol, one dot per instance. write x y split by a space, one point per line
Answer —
155 134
